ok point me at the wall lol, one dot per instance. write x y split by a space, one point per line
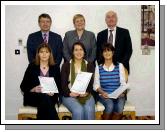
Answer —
22 20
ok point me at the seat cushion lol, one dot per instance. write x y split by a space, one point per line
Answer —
129 107
27 110
98 107
62 108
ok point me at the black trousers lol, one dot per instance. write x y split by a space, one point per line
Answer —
45 105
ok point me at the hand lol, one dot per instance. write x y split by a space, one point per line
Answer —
36 89
50 94
72 94
83 95
104 95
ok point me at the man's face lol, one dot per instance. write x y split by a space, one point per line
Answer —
111 19
45 24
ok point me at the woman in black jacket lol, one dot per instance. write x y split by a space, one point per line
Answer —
43 65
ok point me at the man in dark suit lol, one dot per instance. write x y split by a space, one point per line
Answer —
118 37
45 36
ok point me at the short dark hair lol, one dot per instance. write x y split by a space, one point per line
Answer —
44 15
80 44
108 47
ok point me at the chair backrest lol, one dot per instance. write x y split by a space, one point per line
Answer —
126 74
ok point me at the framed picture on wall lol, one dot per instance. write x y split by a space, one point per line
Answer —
147 27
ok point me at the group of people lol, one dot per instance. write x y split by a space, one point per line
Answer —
107 58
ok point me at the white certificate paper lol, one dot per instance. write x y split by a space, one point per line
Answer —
48 84
81 82
118 91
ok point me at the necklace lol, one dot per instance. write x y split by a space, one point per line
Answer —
44 67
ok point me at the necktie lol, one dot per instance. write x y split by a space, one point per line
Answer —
45 38
110 39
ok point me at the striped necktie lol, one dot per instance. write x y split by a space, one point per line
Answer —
45 38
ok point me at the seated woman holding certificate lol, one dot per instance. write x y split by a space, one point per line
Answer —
80 104
43 66
109 76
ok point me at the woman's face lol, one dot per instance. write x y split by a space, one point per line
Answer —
107 54
44 54
78 52
79 23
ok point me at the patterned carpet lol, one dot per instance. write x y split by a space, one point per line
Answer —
123 118
139 118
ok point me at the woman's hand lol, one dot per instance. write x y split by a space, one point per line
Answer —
83 95
104 95
36 89
72 94
50 94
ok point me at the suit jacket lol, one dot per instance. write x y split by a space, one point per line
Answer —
123 45
65 72
30 79
55 43
87 38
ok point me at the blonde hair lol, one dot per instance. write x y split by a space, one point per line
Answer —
78 16
51 59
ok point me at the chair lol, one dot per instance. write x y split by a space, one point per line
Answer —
28 112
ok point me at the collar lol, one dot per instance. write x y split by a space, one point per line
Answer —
111 29
45 33
110 68
84 60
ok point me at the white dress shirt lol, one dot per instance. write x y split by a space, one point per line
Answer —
114 34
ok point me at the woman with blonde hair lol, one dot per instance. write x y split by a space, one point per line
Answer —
79 34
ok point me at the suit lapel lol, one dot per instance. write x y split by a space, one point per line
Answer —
83 36
117 36
106 35
40 37
50 38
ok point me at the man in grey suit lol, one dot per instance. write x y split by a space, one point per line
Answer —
79 35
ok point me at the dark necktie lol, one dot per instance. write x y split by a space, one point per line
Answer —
45 38
110 39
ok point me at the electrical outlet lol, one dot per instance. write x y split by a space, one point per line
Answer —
17 51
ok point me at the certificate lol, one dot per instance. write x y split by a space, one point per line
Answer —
48 84
118 91
81 82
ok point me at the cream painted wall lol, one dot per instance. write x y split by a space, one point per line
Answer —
22 20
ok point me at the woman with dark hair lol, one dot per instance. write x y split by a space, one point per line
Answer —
82 106
45 66
109 76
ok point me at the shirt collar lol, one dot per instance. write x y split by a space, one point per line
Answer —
84 60
111 29
111 67
45 33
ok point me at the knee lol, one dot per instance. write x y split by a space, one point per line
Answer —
78 111
46 101
108 108
90 109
